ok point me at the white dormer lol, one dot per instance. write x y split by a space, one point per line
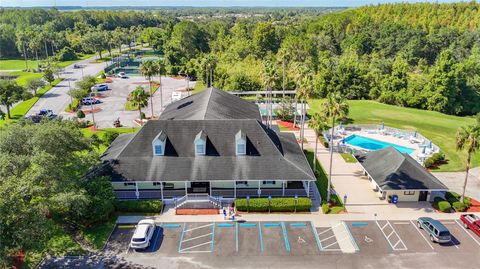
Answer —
158 144
201 143
241 143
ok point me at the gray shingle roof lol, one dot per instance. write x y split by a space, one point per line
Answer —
270 155
393 170
209 105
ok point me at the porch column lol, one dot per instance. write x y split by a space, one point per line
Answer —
161 190
234 189
259 190
136 190
308 188
283 187
210 185
186 188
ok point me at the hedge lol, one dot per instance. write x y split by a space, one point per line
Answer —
139 206
459 206
441 204
454 197
277 204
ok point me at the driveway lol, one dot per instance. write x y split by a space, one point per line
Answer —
454 181
113 101
57 99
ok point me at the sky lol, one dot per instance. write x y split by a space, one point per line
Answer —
201 3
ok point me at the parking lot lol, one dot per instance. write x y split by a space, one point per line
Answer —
112 101
285 244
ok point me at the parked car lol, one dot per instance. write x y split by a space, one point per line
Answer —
143 234
472 222
122 75
43 114
437 231
89 101
100 87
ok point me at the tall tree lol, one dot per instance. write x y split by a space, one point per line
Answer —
318 124
139 99
468 138
10 93
334 107
34 84
149 69
269 79
161 69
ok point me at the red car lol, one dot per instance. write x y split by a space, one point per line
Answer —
472 222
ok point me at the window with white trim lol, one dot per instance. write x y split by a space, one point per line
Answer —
240 143
408 193
241 182
268 182
200 147
158 144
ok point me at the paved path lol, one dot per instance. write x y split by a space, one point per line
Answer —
454 181
57 99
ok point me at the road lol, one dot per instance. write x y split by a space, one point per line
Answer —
57 99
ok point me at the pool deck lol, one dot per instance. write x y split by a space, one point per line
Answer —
388 139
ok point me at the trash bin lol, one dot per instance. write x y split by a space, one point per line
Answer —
394 199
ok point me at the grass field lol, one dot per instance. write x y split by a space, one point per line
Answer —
87 132
97 235
17 64
348 158
438 127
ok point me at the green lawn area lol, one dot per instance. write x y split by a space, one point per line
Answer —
23 77
348 158
16 64
21 109
98 235
438 127
322 184
199 87
87 132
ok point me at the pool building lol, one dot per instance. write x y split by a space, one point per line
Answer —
211 145
392 172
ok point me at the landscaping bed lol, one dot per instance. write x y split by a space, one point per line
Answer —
284 204
139 206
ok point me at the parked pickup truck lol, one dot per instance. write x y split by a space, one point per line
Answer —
472 222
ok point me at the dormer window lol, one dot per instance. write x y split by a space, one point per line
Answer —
158 144
241 143
201 143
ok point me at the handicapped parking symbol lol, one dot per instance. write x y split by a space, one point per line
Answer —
368 239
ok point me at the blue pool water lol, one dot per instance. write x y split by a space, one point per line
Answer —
372 144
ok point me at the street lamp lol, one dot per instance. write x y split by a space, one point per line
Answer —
269 203
93 112
296 202
248 204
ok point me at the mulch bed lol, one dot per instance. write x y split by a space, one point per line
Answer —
187 211
288 125
475 207
89 111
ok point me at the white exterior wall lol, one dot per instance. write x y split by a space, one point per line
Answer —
148 185
251 185
404 198
120 186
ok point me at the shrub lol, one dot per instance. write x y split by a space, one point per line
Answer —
325 208
103 76
441 204
428 163
142 116
453 197
109 136
80 114
277 204
139 206
436 159
66 54
459 206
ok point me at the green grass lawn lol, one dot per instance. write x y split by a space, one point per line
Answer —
348 158
87 132
97 235
322 184
438 127
21 109
199 87
17 64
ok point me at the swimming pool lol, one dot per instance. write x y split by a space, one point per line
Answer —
372 144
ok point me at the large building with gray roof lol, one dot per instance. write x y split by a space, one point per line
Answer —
211 143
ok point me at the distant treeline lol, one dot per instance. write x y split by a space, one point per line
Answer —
417 55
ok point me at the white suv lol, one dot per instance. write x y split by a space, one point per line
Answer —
143 234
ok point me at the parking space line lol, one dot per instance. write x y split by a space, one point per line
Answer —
170 226
261 237
199 227
125 226
181 237
236 235
213 237
271 225
225 225
199 245
319 244
420 232
298 225
285 237
466 231
352 240
197 237
359 224
401 223
387 237
248 224
156 239
324 239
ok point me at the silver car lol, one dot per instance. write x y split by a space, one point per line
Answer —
143 234
437 231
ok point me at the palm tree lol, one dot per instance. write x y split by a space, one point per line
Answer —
305 85
335 106
318 124
468 138
139 99
161 69
149 69
269 78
